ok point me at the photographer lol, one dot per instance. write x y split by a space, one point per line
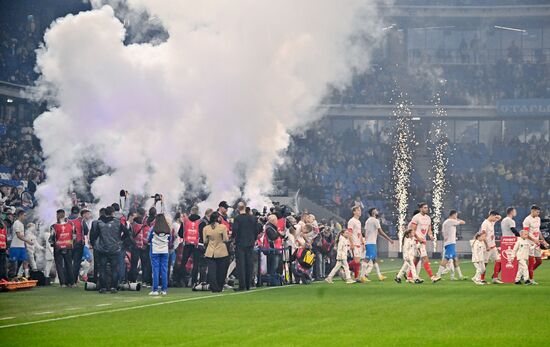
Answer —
201 249
78 247
3 251
275 243
245 232
107 236
139 250
217 256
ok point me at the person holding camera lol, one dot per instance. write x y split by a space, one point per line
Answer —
245 232
139 249
216 254
3 251
107 236
275 244
159 237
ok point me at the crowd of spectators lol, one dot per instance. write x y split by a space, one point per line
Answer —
17 50
343 169
21 168
513 173
470 2
467 84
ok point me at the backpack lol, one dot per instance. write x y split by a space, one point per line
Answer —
305 257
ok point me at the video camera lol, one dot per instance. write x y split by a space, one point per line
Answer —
157 197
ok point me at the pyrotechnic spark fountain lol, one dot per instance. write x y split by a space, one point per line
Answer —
402 166
439 164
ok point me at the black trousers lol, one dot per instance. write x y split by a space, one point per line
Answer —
190 251
3 265
244 258
78 249
108 277
143 256
64 266
217 268
96 267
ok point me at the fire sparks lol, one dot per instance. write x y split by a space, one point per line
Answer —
402 166
439 144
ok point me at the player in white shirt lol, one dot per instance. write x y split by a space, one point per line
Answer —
357 243
479 247
409 251
491 254
531 223
450 260
522 248
508 224
421 225
372 230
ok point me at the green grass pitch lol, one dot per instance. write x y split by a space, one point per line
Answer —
448 313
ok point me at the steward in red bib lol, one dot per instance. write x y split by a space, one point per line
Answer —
62 235
3 251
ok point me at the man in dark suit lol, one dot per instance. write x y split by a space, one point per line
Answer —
245 232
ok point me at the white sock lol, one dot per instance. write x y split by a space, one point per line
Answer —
458 271
377 269
363 269
441 270
418 267
369 268
451 268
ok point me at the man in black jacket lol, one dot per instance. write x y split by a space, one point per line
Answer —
107 236
245 232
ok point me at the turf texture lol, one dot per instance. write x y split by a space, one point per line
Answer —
448 313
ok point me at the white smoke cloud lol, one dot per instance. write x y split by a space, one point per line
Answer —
216 101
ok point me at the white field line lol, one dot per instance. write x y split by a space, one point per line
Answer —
100 305
122 309
146 305
45 312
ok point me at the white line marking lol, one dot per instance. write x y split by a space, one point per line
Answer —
122 309
100 305
6 318
45 312
131 300
72 308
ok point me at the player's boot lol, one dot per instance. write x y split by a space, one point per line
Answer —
381 277
497 281
528 283
397 279
364 279
517 282
435 279
533 282
350 281
329 280
418 281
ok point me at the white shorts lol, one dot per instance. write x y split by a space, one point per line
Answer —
421 250
535 252
358 252
491 254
